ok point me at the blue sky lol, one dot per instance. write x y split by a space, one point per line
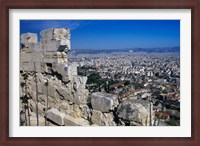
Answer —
112 34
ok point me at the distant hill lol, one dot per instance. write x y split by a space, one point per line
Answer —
148 50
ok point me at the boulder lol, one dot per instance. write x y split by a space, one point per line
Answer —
135 111
56 116
104 102
102 119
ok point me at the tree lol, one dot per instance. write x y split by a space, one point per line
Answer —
25 98
22 84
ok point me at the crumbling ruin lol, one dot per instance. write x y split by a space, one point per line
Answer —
57 94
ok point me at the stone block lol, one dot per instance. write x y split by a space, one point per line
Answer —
56 34
35 47
28 38
81 96
29 66
55 39
103 102
61 34
71 121
135 111
62 69
27 61
79 82
47 33
50 45
25 57
37 57
102 119
72 69
55 116
55 57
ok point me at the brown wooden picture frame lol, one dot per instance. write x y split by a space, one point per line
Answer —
6 5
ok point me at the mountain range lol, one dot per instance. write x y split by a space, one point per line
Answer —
148 50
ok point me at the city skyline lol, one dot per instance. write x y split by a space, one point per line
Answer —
112 34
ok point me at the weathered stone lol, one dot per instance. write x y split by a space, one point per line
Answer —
35 47
40 78
56 33
47 33
27 61
86 111
103 102
75 111
81 96
61 34
28 38
79 82
65 78
61 68
102 119
70 121
39 85
51 89
50 45
65 107
135 111
32 105
25 57
72 70
55 58
55 39
55 116
37 57
29 66
33 119
66 90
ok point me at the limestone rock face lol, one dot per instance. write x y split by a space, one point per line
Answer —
103 102
133 111
56 116
102 119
